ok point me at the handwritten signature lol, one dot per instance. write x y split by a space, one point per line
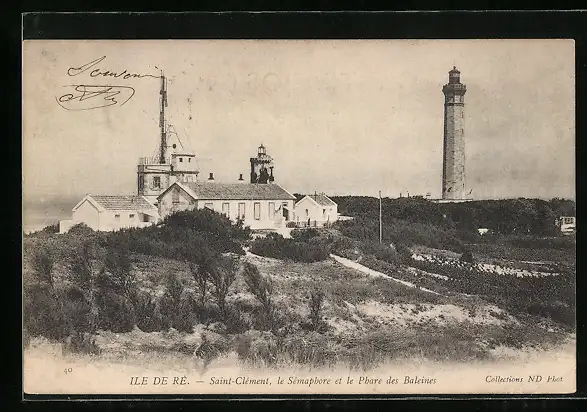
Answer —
76 71
87 97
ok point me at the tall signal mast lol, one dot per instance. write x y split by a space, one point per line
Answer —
162 124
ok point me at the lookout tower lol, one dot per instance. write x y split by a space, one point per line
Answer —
172 162
453 165
262 167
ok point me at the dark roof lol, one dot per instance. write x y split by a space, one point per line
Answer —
322 200
238 191
122 202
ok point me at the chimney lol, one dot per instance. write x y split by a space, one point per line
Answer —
211 176
240 178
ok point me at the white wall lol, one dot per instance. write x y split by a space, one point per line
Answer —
265 221
307 208
88 214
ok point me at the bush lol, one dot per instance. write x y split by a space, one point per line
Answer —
316 307
275 246
148 318
116 312
176 307
81 267
262 289
222 276
467 257
80 229
42 313
290 225
304 235
208 221
77 311
80 342
43 262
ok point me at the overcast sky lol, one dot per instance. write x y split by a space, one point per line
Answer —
342 117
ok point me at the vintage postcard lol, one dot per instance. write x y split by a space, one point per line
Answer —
299 217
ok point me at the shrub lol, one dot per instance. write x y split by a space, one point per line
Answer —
176 307
77 311
304 235
43 263
201 274
316 307
148 319
275 246
80 342
80 229
290 225
118 267
42 313
208 221
467 257
379 251
116 312
80 266
222 276
262 289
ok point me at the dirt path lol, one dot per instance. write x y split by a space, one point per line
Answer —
373 273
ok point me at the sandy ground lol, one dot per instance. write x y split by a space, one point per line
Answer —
47 371
412 314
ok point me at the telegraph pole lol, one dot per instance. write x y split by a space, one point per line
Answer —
380 223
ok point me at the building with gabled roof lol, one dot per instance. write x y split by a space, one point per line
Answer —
109 213
316 210
260 205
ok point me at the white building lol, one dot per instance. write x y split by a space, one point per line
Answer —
259 205
566 224
316 210
108 213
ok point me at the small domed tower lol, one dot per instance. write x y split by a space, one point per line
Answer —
262 167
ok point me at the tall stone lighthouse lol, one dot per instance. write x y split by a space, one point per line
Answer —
453 165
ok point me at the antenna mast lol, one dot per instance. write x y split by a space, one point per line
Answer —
162 125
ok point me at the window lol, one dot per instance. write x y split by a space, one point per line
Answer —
257 210
226 209
145 218
568 220
131 216
271 210
181 159
157 182
209 206
241 210
307 213
323 212
175 197
117 217
189 159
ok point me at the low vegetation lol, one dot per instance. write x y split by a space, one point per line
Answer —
304 246
189 276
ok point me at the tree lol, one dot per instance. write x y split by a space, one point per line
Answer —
222 276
